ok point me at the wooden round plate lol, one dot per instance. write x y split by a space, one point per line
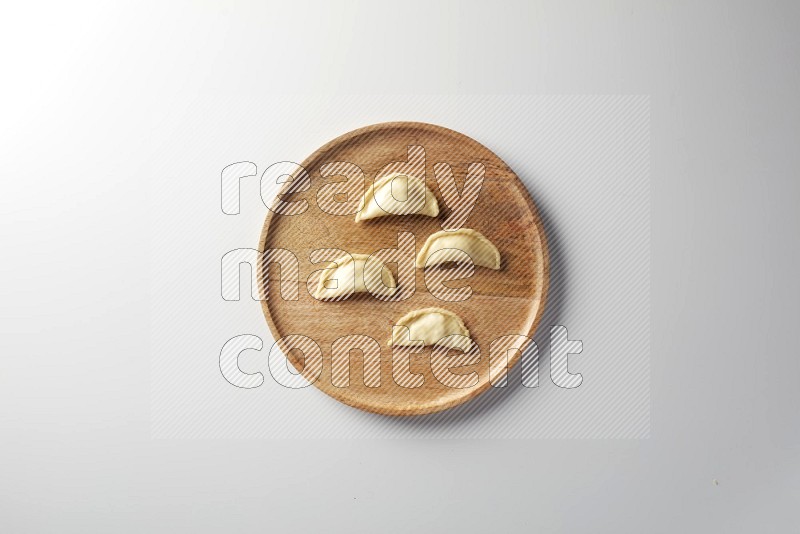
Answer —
508 301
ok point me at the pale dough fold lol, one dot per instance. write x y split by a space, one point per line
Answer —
474 243
378 201
430 325
349 275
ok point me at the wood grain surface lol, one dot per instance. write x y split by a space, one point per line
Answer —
508 301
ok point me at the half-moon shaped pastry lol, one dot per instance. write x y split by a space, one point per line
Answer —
474 243
348 278
378 201
432 325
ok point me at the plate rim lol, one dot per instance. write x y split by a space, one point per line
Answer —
431 407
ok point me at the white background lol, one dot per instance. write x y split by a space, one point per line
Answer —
95 100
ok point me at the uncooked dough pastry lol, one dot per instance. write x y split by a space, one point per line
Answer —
474 243
378 201
348 278
430 325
